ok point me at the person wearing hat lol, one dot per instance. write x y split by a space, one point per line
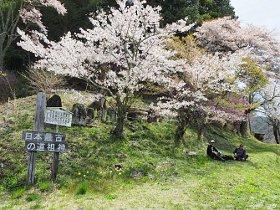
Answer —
214 153
240 153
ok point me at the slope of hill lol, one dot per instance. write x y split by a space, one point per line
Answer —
152 173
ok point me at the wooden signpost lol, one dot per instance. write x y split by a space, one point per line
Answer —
39 126
40 141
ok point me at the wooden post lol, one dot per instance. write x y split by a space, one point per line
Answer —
55 162
39 126
55 166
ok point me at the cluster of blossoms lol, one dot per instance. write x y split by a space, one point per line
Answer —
205 79
122 50
29 12
181 98
226 34
215 71
232 111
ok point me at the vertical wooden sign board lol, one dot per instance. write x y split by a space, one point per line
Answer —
39 126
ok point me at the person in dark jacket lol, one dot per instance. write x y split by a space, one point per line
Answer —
240 153
214 153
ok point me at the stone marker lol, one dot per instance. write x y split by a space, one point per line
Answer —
99 107
79 114
54 101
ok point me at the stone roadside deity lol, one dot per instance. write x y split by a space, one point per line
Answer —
79 114
98 106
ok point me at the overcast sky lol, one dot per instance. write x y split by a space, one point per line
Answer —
259 12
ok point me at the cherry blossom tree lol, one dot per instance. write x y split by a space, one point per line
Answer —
193 98
228 35
125 49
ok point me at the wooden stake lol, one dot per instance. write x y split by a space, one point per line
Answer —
55 163
31 168
39 126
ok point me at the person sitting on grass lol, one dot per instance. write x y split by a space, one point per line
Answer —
214 153
240 153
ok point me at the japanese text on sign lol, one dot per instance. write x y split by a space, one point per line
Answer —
58 116
43 136
33 146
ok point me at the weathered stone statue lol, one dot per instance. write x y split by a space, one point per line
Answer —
99 107
79 114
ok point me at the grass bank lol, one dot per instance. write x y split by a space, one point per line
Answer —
152 174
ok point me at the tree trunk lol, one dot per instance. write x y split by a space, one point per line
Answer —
248 112
243 128
276 133
200 132
180 131
121 115
278 140
1 63
249 122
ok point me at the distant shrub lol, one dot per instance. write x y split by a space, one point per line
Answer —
42 80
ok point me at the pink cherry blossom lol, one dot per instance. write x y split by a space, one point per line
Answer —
226 34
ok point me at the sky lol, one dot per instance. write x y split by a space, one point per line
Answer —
259 12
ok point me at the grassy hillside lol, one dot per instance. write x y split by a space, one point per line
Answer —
153 174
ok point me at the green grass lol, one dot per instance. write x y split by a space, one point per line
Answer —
153 174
